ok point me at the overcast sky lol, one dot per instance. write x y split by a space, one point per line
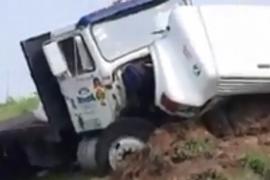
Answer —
21 19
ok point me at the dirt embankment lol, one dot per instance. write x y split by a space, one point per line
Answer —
211 149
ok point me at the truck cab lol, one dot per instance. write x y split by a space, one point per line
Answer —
89 58
93 75
92 105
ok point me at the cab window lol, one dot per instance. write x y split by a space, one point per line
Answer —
78 58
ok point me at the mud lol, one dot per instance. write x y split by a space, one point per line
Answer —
208 149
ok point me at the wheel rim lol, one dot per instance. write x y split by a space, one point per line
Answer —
121 148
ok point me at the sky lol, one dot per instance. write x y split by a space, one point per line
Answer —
23 19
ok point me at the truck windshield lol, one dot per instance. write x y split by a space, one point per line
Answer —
119 37
79 60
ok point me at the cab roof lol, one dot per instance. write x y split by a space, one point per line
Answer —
118 10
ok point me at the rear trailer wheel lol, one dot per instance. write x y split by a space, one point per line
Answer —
119 140
86 154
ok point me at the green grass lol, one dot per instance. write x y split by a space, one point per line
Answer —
209 175
259 163
14 108
192 149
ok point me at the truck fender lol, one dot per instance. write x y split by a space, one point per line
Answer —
176 78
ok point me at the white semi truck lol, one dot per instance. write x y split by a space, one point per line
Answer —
101 79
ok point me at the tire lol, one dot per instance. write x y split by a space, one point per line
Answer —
217 122
86 154
129 127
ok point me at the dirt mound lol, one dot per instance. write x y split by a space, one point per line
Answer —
171 152
208 150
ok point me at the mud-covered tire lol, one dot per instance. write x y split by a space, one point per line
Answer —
127 127
218 122
86 154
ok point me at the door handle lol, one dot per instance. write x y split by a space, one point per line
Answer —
161 31
158 32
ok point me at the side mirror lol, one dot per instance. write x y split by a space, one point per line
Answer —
55 59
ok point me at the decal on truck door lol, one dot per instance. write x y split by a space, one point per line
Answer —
85 96
86 100
100 91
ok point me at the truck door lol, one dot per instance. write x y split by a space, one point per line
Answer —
86 98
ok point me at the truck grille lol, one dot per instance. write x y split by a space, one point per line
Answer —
243 85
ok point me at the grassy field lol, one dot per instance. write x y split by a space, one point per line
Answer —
16 107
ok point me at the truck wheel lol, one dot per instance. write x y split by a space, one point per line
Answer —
86 154
119 140
218 123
